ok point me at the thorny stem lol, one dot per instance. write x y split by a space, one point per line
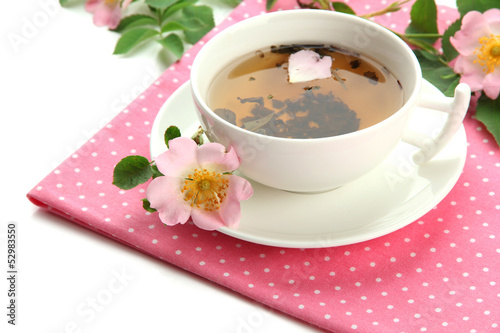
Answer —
325 4
423 35
393 7
407 39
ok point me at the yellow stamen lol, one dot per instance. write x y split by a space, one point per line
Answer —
488 55
205 190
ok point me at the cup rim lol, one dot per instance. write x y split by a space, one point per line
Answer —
299 13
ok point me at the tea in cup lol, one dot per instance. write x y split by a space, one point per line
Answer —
313 99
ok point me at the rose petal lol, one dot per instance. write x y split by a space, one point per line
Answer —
239 188
165 196
179 159
115 17
472 81
207 220
102 15
230 211
472 74
466 40
307 65
491 84
91 5
213 156
105 13
492 18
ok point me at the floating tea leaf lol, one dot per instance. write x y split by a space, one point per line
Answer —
372 77
255 124
355 64
259 100
339 79
227 115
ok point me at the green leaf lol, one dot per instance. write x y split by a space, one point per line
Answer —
423 45
175 8
205 15
185 24
231 3
450 92
147 205
63 2
171 133
429 56
192 23
171 26
174 44
270 4
448 50
131 171
437 73
488 112
160 4
465 6
132 38
343 8
156 172
135 21
423 19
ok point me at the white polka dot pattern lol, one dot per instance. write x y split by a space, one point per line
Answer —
439 274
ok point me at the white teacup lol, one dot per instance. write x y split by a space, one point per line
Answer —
314 165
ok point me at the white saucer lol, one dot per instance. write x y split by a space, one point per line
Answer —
388 198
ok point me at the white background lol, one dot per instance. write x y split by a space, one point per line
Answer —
60 83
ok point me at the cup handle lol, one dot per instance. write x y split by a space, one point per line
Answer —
456 108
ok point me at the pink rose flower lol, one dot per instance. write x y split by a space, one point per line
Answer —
478 43
106 12
198 183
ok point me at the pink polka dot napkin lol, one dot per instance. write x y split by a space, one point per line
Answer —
438 274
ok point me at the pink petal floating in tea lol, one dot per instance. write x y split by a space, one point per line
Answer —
307 65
